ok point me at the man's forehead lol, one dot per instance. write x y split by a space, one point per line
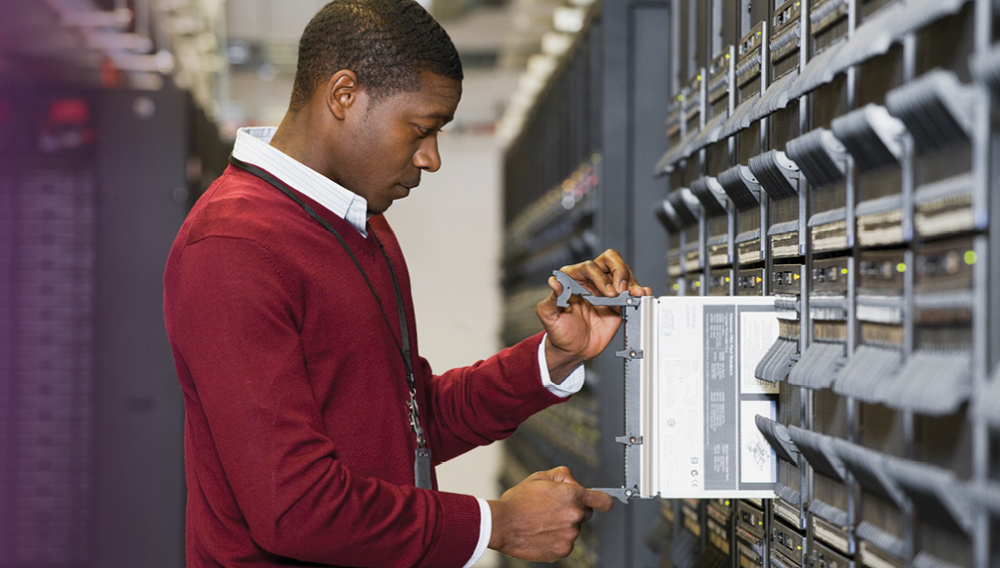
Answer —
437 97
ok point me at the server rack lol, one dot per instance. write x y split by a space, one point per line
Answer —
840 155
93 188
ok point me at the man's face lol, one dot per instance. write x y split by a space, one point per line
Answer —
395 138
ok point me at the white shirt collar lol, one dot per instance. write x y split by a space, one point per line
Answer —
253 146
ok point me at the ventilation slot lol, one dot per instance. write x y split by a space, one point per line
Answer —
740 118
880 221
880 309
867 372
950 300
788 494
783 228
674 155
919 13
776 435
944 207
936 108
874 37
871 135
685 214
709 134
778 175
819 365
828 512
819 451
741 186
931 382
828 307
777 562
869 469
775 365
788 303
775 98
879 206
881 539
822 158
668 216
747 236
934 492
711 196
818 72
827 217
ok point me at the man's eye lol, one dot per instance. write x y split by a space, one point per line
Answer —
424 131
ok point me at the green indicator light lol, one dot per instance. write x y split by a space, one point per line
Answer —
901 267
676 287
697 284
970 257
699 78
680 97
843 271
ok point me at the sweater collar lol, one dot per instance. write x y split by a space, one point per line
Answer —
253 146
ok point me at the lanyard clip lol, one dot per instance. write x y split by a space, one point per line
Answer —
414 413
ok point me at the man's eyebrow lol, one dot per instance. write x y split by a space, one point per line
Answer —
439 116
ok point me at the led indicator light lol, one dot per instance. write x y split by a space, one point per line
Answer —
843 271
901 267
970 257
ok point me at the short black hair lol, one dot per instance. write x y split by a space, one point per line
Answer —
386 43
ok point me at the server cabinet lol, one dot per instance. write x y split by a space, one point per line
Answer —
94 188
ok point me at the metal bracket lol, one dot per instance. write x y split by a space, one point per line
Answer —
631 354
573 288
620 493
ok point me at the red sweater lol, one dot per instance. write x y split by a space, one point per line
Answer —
297 443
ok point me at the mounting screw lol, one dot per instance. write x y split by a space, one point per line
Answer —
632 439
628 492
632 354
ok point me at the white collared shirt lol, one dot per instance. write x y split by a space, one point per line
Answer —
253 146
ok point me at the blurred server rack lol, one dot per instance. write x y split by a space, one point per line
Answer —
93 187
577 183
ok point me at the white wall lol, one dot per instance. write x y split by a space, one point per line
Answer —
450 230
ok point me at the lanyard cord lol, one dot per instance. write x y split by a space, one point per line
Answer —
404 349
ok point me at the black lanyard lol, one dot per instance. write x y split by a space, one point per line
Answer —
422 458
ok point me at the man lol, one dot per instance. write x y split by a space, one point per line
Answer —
312 423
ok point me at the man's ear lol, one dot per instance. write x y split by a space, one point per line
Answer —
342 92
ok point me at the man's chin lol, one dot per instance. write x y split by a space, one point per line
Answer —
378 211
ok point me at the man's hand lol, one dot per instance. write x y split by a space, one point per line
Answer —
581 331
539 519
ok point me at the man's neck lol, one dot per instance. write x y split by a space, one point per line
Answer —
293 139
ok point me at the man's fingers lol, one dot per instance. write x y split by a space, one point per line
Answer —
612 263
595 500
563 475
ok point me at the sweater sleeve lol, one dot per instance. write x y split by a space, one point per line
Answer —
476 405
233 321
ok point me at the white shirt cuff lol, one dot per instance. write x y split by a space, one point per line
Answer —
485 531
570 386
